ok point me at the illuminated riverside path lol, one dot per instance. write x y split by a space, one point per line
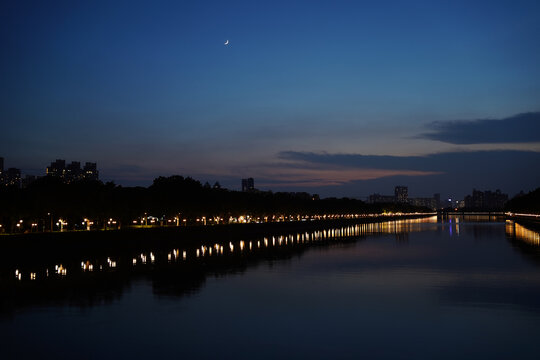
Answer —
60 245
418 288
41 225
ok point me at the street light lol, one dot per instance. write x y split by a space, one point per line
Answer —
88 223
61 223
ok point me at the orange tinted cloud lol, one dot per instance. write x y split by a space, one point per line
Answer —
288 176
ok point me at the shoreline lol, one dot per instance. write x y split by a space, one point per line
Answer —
530 221
35 246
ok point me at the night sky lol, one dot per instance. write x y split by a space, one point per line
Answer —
340 98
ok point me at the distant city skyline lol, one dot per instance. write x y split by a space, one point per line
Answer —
73 172
336 98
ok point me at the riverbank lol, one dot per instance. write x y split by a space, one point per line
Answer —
58 244
531 221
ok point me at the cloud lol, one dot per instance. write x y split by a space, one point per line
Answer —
450 172
467 161
521 128
309 177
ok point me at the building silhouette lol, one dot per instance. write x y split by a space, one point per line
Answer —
432 202
401 193
90 171
11 177
401 196
72 172
248 184
486 200
378 198
437 198
57 168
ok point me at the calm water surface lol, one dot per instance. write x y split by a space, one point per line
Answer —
410 289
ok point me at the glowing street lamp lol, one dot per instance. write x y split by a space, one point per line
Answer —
111 222
61 223
88 223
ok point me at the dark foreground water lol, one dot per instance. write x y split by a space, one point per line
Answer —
407 289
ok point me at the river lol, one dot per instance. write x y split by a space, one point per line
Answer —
409 289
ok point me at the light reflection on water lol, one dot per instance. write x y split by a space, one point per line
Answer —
412 289
522 233
399 228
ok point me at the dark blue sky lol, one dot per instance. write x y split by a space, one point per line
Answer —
148 88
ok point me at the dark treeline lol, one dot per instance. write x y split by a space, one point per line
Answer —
529 203
48 199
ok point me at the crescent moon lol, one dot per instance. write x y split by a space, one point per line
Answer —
227 42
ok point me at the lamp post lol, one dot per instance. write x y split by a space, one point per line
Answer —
61 222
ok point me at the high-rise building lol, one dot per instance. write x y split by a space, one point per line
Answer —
12 177
74 168
57 168
401 193
248 184
90 171
9 177
437 198
378 198
486 200
73 172
430 203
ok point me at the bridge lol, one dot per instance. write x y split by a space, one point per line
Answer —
532 219
443 214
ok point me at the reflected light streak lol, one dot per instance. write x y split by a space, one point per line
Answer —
396 227
522 233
